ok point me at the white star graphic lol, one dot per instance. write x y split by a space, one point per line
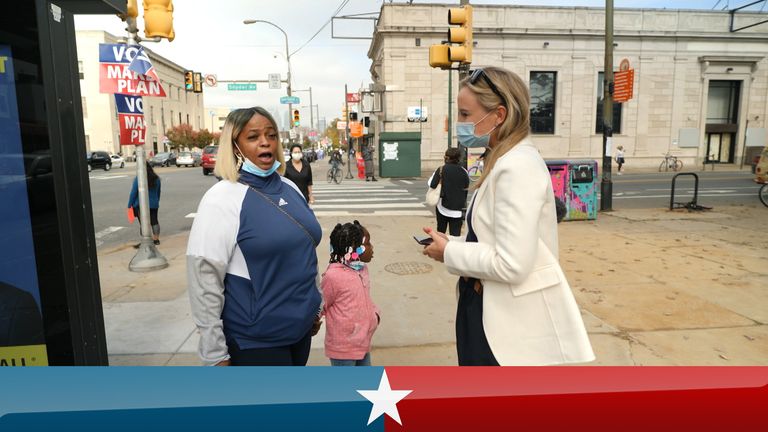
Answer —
384 400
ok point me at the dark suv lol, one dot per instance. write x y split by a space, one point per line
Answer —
98 159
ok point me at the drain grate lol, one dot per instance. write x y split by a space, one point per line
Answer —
408 268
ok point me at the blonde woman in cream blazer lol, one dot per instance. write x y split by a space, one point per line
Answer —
515 304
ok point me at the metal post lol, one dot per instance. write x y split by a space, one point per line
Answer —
606 185
147 258
744 150
346 135
450 107
311 113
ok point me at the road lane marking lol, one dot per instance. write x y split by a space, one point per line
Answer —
107 231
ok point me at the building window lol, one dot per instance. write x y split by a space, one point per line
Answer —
723 102
179 118
171 118
85 107
80 69
543 85
616 109
187 118
418 41
151 115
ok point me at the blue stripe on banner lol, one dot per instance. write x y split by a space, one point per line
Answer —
324 398
329 416
129 104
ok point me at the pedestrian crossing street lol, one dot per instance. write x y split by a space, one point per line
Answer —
356 198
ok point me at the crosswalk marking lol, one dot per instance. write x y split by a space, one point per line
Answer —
107 231
191 215
366 199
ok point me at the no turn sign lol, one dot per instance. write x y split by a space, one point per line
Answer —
210 80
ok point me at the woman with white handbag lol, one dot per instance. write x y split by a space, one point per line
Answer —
448 193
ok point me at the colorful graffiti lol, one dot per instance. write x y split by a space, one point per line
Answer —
575 184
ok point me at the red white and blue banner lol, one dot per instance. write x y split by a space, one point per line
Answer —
376 399
118 66
130 116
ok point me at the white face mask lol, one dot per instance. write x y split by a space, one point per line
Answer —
296 156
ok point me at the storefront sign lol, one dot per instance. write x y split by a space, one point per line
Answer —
130 113
115 76
22 341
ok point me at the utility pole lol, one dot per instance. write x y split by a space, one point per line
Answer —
346 135
147 258
606 185
450 107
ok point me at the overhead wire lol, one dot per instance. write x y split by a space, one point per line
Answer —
338 9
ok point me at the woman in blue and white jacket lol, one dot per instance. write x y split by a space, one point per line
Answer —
251 261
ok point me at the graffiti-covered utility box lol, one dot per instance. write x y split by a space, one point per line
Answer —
575 184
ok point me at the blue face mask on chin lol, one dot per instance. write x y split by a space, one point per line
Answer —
465 134
251 168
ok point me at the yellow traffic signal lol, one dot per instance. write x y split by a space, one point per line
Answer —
296 118
461 35
132 9
158 19
189 81
344 113
443 56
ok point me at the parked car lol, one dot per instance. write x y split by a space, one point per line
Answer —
186 159
98 159
164 159
209 159
118 161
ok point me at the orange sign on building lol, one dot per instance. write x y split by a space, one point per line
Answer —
624 83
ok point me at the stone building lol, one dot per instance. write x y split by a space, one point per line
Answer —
99 111
699 88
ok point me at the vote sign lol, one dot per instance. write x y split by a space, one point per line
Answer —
130 116
115 77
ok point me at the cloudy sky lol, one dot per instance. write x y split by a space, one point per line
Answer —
211 38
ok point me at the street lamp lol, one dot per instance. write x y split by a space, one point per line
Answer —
287 56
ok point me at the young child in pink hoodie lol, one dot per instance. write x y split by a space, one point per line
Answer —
351 317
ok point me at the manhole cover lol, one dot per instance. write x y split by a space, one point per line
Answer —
408 268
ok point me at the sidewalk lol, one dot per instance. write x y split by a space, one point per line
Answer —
655 287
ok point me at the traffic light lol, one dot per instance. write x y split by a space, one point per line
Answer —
132 9
443 56
158 19
197 82
189 81
296 118
344 113
353 116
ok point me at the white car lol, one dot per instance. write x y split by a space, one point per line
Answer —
118 161
187 159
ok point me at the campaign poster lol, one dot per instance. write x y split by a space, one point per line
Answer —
115 77
130 116
22 340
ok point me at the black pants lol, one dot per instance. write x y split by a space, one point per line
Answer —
291 355
471 344
453 224
152 220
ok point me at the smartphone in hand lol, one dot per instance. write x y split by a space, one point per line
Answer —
424 241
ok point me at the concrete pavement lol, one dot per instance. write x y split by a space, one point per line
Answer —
655 288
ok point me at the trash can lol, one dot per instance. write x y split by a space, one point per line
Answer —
400 154
575 184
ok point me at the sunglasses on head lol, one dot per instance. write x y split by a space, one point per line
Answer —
475 76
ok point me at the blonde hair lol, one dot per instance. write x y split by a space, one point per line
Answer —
226 161
516 126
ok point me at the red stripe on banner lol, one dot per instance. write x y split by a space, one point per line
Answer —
598 398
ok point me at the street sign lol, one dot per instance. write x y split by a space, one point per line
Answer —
210 80
417 113
290 100
274 81
241 86
353 97
623 87
341 125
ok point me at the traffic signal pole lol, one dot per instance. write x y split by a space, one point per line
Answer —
147 258
346 136
606 185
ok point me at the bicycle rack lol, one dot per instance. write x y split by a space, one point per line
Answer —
691 206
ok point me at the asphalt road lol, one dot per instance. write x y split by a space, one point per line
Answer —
184 187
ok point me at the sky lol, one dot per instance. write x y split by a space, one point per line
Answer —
211 38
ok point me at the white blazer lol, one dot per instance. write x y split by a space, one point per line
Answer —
529 314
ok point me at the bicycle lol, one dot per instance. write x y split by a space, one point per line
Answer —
334 174
476 170
671 162
763 194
